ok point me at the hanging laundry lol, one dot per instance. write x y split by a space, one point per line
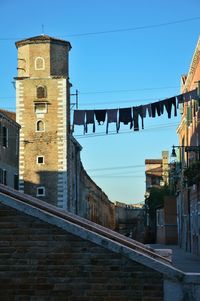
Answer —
111 117
179 99
125 116
147 108
138 111
89 120
168 103
100 115
187 96
79 118
156 107
194 94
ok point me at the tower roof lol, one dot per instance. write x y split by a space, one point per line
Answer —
42 39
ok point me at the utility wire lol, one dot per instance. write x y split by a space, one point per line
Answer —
151 26
129 90
109 91
133 28
116 167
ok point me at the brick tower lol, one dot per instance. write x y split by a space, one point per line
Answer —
42 100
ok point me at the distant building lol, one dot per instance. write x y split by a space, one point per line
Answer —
157 171
9 149
159 207
130 220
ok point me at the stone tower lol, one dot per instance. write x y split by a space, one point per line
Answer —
43 109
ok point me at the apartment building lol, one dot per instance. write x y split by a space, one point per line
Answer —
9 149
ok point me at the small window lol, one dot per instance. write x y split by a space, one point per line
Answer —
41 92
40 160
39 63
40 191
40 108
3 177
40 126
5 136
16 182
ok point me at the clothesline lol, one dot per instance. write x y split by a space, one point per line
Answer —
131 115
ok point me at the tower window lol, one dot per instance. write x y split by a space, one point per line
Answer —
40 108
40 159
40 126
41 92
41 191
39 63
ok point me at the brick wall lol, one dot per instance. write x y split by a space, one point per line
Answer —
39 261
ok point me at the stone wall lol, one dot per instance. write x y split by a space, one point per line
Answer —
95 203
39 261
49 254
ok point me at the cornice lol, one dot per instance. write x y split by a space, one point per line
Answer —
193 66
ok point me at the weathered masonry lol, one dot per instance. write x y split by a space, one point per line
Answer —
49 163
48 254
42 92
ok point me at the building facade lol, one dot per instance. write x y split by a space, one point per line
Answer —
42 96
157 183
187 171
9 149
50 163
157 171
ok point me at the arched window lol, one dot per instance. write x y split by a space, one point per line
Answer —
39 63
40 126
41 92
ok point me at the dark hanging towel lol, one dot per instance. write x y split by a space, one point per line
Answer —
156 107
179 99
79 118
125 116
194 94
111 117
147 108
89 119
187 96
100 115
138 111
168 103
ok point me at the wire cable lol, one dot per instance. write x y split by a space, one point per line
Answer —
143 27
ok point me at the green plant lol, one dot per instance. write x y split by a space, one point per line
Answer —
192 173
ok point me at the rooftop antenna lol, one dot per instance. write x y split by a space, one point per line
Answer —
42 30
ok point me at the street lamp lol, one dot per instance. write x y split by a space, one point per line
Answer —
173 154
186 148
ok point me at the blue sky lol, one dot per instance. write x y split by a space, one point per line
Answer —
111 70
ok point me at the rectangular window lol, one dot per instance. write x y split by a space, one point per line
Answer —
40 191
160 217
40 159
40 108
1 176
5 136
16 182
